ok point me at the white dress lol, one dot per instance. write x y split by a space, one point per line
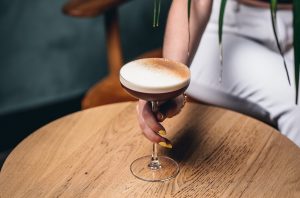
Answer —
254 80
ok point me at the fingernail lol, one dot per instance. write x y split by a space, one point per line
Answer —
166 145
162 132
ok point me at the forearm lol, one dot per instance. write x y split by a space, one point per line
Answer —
176 42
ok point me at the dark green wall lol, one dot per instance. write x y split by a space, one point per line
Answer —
48 60
46 56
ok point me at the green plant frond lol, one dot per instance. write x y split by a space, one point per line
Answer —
273 5
189 16
220 33
158 12
221 20
154 13
273 9
189 9
296 13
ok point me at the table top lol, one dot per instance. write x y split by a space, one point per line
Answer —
88 154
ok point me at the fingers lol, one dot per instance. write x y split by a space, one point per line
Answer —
149 122
150 127
171 108
150 118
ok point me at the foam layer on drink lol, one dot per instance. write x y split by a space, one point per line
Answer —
154 75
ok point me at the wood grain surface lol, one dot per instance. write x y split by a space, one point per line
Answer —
88 154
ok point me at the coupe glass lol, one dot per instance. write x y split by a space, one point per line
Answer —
154 80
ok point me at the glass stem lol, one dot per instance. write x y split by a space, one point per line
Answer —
154 163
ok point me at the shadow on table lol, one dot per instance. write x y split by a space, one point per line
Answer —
198 151
183 145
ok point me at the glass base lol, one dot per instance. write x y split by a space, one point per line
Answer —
142 169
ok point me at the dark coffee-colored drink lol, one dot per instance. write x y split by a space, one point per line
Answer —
155 79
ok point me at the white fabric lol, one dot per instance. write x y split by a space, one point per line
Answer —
254 80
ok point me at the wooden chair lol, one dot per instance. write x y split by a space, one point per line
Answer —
108 90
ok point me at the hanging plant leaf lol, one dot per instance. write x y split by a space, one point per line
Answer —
220 32
273 9
189 9
296 13
189 31
156 12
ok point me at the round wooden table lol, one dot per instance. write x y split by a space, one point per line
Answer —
88 154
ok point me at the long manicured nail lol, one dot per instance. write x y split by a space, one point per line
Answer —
162 132
166 145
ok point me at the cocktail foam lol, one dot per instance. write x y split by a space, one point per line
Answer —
154 75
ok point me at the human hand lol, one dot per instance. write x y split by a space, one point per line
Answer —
150 122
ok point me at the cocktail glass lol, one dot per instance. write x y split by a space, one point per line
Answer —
154 80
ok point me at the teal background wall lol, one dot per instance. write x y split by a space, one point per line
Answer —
48 60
